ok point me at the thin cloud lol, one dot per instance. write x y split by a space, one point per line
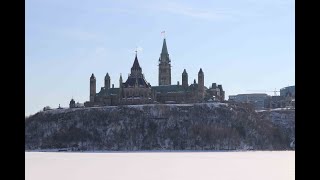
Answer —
272 3
101 51
139 49
77 34
172 8
184 10
115 10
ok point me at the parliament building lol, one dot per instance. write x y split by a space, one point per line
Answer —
137 90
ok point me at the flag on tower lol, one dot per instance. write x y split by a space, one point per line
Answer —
163 33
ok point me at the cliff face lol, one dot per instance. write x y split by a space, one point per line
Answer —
207 126
284 120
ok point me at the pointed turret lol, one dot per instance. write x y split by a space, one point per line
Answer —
164 56
92 87
185 79
200 71
120 81
121 94
184 71
107 76
201 84
136 65
92 76
164 47
107 81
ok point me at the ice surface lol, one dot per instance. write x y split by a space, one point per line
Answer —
262 165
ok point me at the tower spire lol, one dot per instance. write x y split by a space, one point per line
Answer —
120 81
136 65
164 47
136 51
164 65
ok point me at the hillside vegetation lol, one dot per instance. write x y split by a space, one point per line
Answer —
204 126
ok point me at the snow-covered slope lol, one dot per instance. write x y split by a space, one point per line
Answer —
284 120
203 126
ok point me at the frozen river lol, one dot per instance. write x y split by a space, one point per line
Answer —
262 165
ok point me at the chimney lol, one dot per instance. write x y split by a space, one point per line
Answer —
112 85
178 83
214 85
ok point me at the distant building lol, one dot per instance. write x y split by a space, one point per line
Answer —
275 102
79 105
72 103
215 93
257 99
47 108
285 100
288 91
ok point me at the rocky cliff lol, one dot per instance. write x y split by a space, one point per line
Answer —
204 126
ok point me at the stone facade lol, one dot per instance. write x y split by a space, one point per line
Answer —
136 90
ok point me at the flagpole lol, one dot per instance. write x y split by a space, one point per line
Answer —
164 34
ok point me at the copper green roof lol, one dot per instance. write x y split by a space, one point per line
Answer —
174 88
104 92
132 81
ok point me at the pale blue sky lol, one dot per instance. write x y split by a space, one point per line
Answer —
241 44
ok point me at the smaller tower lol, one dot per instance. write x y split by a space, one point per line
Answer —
221 93
72 104
214 85
120 81
107 81
92 87
185 79
201 84
121 94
